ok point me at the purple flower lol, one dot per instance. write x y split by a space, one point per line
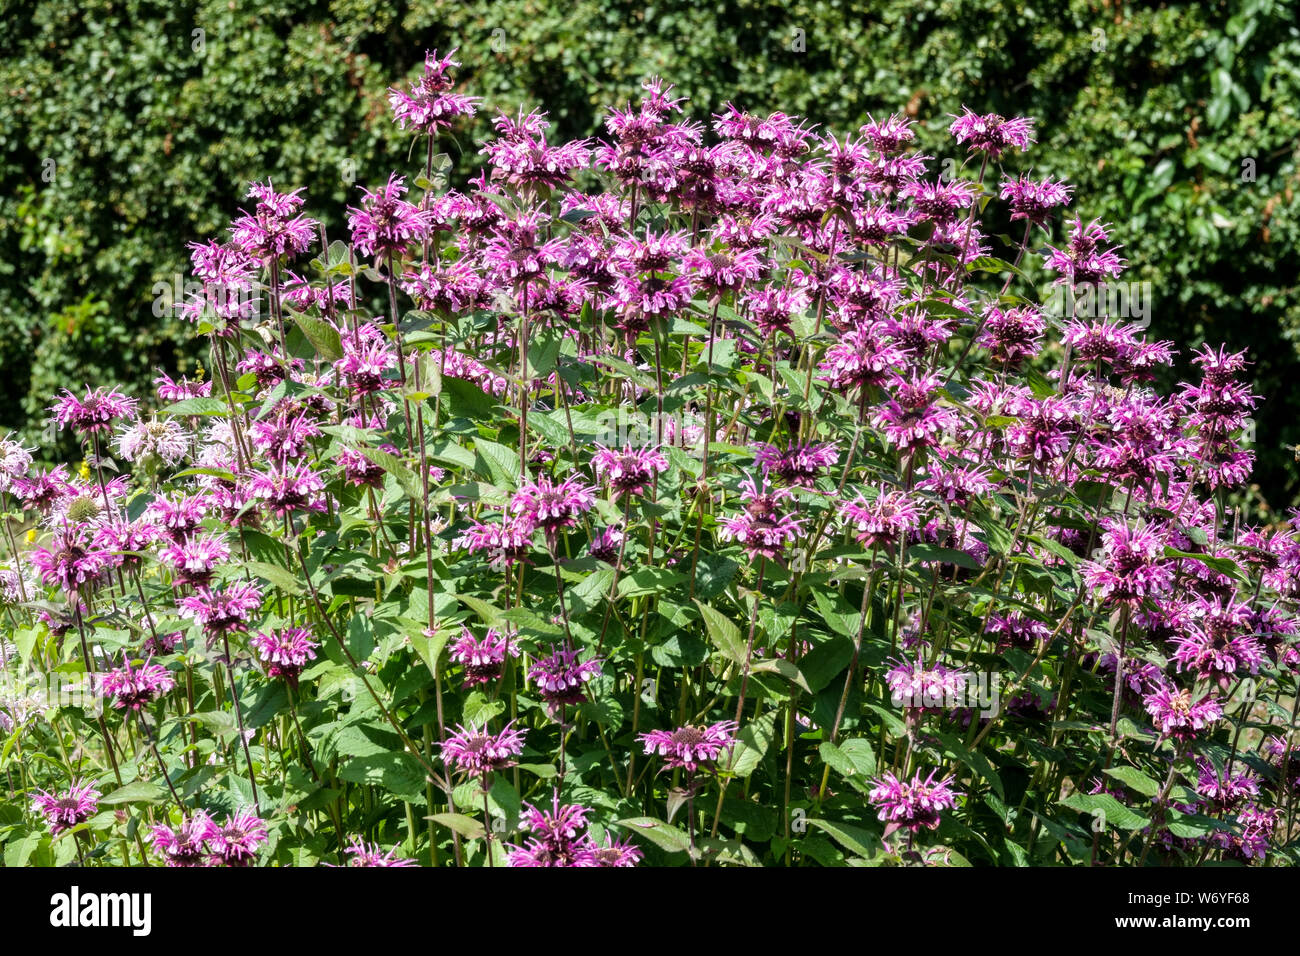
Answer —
273 229
63 811
990 133
1221 641
912 804
361 853
286 652
287 488
797 464
504 543
133 689
194 559
93 413
1177 716
173 391
235 842
692 747
187 844
882 521
1131 565
1012 335
1223 789
222 611
1085 261
386 224
859 359
559 837
72 560
549 506
475 752
430 105
612 853
1033 200
367 357
630 470
561 676
763 529
606 544
914 685
163 440
484 659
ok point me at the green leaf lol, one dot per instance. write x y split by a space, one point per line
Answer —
723 633
752 744
398 773
467 827
323 336
785 669
1135 779
197 406
854 839
406 479
502 463
853 759
142 791
663 835
490 614
930 552
276 575
1115 813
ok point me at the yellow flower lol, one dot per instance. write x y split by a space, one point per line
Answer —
31 535
85 471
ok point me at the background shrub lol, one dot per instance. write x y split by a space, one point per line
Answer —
124 132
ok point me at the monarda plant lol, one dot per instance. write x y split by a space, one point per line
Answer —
708 496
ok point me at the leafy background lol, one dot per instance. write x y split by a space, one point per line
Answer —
125 134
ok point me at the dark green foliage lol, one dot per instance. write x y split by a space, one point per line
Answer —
1152 110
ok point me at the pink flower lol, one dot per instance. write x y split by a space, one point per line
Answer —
991 134
1177 716
222 611
286 652
560 677
236 841
386 224
763 529
475 752
186 846
630 470
913 804
63 811
692 747
484 659
549 506
93 413
133 689
361 853
429 105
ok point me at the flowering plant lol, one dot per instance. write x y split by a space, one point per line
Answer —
745 468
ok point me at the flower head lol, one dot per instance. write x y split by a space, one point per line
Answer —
912 804
560 678
991 134
93 413
63 811
483 659
475 752
135 688
186 845
286 652
690 746
235 842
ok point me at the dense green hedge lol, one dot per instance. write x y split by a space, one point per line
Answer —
1151 109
